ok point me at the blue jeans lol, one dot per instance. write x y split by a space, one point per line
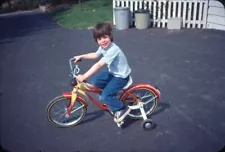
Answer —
110 85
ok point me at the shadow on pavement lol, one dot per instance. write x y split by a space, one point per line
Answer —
161 107
27 23
92 116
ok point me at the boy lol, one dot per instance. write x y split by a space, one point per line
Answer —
117 75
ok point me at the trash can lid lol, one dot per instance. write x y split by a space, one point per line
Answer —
121 8
142 11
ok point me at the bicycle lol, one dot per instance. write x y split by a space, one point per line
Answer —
140 108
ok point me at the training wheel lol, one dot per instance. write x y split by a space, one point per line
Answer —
147 124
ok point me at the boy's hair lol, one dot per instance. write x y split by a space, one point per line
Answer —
102 29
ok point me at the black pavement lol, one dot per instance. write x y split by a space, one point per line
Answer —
187 65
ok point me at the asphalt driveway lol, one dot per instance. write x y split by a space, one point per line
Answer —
188 66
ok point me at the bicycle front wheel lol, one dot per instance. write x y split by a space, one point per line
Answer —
147 96
57 109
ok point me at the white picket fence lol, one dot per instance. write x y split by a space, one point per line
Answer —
193 12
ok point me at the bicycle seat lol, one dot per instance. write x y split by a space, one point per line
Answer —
130 81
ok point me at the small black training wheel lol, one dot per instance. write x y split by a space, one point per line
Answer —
147 124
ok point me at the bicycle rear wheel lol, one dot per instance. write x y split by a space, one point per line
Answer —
146 95
57 109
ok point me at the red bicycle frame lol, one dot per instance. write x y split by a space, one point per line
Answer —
83 88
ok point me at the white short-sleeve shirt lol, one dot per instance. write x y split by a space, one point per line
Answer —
115 59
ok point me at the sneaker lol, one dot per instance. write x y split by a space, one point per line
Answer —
121 114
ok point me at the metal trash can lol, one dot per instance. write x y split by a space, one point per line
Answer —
142 19
122 17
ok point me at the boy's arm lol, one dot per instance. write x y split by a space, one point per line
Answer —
87 56
107 59
93 55
94 69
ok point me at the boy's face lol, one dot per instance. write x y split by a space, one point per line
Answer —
104 41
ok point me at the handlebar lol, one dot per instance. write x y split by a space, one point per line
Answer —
74 69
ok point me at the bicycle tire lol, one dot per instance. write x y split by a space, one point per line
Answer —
60 99
125 99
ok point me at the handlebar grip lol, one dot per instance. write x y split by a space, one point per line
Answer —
77 60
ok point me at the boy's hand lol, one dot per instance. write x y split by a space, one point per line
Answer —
77 58
80 78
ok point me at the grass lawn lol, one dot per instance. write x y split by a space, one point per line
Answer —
92 11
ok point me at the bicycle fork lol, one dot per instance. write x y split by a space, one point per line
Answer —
72 101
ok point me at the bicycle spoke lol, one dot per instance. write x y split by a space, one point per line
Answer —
65 120
58 107
151 100
58 111
77 109
61 116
